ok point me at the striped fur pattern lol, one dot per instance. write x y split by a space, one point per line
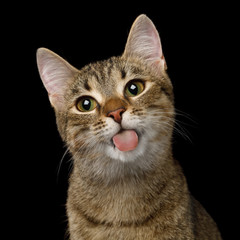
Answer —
115 195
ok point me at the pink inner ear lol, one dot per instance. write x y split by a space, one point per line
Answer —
57 101
154 40
160 63
144 42
54 81
55 73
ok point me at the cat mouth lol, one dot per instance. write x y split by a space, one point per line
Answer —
126 140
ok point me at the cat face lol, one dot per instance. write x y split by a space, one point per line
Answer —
118 109
111 97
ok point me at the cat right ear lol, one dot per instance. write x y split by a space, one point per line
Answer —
56 73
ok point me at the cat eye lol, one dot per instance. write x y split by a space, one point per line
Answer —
134 88
86 104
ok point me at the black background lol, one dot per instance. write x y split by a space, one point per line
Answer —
198 44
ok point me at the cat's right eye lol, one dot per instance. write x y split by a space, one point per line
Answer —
86 104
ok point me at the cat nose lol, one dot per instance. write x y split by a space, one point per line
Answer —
117 114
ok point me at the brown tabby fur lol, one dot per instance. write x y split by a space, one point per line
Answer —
136 196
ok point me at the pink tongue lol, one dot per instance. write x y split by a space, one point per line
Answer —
126 140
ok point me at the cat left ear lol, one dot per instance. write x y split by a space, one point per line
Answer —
56 73
144 42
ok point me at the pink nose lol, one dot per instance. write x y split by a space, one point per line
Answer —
117 114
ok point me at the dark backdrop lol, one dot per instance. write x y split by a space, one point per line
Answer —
197 42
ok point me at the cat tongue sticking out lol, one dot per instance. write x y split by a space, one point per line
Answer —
126 140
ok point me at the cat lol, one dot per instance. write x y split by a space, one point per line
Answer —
117 117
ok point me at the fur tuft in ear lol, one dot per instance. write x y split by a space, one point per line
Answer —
144 42
55 73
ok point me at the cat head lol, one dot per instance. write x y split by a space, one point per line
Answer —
117 109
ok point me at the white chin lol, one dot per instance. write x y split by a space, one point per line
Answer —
128 156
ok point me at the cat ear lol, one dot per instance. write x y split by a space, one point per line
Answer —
55 73
144 42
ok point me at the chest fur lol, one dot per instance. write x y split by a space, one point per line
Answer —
129 209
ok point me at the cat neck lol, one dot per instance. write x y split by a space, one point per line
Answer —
134 196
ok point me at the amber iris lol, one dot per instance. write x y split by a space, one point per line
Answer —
86 104
134 88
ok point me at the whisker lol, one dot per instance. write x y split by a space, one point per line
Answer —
179 125
182 131
61 161
186 115
73 145
175 124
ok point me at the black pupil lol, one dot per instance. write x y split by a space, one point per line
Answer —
133 89
86 104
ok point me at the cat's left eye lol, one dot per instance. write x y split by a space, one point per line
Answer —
134 88
86 104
